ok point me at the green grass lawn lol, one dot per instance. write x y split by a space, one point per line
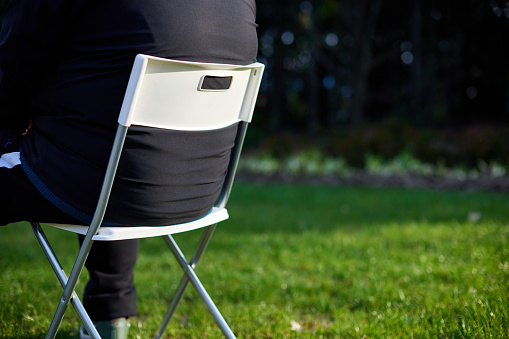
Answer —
298 261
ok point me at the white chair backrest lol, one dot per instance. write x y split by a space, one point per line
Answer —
174 94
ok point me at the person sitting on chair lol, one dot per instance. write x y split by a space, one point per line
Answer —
64 68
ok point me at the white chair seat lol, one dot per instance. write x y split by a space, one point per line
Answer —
216 215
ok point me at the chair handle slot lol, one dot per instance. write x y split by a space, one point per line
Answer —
215 83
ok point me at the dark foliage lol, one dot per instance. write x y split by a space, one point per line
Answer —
381 76
430 63
446 146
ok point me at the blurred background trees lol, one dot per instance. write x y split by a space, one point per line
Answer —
431 77
342 62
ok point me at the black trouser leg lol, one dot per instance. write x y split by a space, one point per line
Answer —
110 292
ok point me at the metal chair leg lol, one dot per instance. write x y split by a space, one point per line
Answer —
190 276
204 240
62 278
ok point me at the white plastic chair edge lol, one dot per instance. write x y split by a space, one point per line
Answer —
140 66
216 215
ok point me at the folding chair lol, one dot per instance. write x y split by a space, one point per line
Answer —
157 90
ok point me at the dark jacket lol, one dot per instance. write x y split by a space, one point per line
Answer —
65 65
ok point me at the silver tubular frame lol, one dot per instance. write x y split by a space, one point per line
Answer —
71 282
62 278
189 267
190 276
232 168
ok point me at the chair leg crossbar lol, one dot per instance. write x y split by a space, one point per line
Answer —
189 277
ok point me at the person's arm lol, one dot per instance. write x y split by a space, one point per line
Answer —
29 41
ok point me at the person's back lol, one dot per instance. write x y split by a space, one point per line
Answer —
64 65
89 48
